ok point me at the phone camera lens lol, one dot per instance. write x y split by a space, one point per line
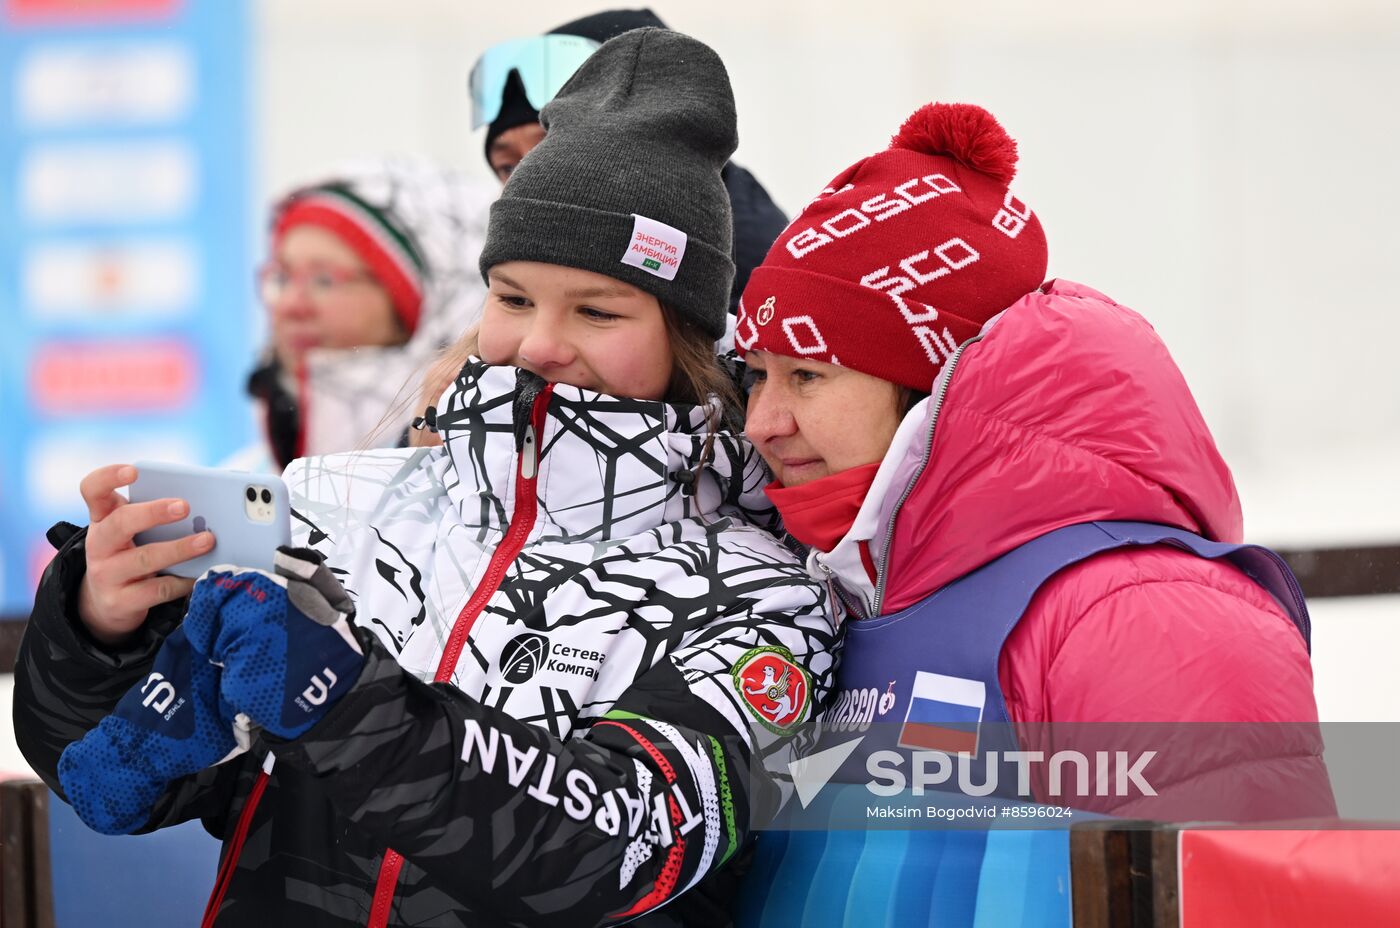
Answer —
252 495
266 496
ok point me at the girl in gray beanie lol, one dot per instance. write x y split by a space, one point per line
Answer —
567 650
627 180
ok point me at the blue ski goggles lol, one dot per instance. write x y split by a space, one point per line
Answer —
545 63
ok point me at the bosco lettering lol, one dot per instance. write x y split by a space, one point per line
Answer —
1012 217
953 255
878 208
853 710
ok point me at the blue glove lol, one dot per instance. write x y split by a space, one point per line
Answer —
170 725
283 639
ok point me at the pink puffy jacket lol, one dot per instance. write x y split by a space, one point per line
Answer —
1070 409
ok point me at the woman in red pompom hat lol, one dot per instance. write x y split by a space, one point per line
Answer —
1015 494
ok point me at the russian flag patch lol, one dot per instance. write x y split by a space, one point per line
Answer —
944 714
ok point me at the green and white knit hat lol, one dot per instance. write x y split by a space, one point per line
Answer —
386 248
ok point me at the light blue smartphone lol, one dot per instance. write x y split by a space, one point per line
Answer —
249 514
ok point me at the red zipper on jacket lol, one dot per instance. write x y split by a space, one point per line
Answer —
522 521
240 834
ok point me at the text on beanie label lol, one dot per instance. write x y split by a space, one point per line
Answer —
655 247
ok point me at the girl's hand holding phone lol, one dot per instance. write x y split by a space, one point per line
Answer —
121 583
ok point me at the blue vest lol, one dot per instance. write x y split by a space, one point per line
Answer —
925 678
928 674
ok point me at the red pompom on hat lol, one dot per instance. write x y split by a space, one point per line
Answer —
903 256
962 131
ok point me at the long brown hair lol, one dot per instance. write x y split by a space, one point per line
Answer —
696 374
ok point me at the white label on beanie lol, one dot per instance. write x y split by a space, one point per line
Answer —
655 247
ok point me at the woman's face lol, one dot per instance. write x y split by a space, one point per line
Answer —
810 420
319 294
576 327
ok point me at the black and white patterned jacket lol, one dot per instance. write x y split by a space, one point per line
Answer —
615 646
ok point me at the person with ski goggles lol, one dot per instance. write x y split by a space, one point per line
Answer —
513 80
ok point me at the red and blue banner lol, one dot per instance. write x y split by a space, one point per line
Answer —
126 226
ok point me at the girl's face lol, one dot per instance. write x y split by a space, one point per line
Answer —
576 327
319 294
810 420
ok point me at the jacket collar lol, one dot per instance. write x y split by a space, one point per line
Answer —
846 563
609 467
1067 408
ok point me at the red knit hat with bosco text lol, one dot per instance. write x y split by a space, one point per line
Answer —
903 256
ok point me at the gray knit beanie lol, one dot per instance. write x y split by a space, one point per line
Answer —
627 181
